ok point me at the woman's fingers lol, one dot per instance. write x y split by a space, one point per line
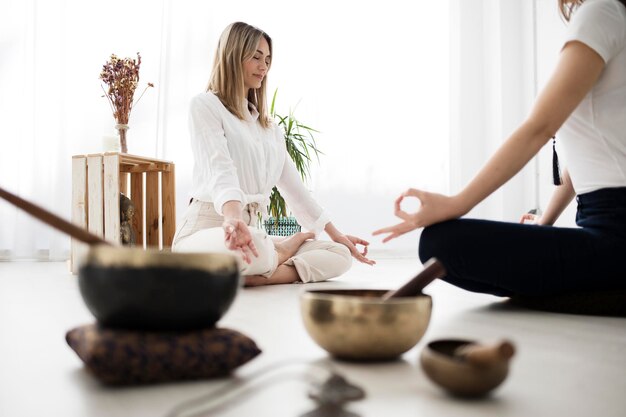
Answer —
252 247
244 255
381 231
238 238
361 258
365 260
230 242
433 208
528 216
350 242
391 236
394 231
402 214
397 230
246 252
248 249
357 240
413 192
397 208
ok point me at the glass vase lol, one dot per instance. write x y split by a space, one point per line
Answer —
122 129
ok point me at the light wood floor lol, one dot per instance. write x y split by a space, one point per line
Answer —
565 366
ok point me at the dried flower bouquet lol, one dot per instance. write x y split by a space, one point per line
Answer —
122 78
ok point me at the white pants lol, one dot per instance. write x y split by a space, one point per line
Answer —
201 231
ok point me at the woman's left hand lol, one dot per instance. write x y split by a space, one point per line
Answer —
434 208
350 242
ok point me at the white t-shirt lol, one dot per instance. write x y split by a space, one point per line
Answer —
240 160
593 138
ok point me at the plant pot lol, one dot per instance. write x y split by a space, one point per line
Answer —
283 226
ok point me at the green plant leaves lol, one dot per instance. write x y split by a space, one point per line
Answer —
301 147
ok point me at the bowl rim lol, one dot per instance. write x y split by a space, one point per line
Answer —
124 257
428 348
327 295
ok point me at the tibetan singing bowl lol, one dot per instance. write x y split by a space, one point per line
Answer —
153 290
472 374
359 325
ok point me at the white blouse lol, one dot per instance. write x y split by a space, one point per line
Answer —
240 160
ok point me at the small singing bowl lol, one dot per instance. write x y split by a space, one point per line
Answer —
138 289
358 325
459 377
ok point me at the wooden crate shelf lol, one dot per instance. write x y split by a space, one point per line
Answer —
98 180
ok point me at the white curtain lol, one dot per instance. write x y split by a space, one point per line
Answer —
492 68
503 52
51 106
372 76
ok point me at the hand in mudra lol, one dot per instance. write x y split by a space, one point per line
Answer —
351 243
237 237
434 208
529 218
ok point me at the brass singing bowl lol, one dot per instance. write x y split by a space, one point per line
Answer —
458 377
138 289
358 325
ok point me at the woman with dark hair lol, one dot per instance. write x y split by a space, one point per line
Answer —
585 102
239 155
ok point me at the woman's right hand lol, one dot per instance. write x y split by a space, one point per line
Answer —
237 237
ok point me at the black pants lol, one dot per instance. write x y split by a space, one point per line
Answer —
510 258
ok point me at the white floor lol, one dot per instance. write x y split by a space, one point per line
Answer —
565 366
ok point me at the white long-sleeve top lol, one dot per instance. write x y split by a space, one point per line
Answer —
240 160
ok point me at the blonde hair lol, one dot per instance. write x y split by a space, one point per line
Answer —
238 43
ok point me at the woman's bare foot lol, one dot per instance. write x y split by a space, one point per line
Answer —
287 247
255 280
284 274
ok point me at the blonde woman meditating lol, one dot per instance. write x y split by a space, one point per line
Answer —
239 155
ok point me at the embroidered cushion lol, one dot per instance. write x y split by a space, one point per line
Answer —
122 357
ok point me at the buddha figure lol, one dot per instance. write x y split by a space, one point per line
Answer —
127 212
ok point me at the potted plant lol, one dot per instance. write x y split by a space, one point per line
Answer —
301 146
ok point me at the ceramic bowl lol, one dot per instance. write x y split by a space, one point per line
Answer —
358 325
154 290
457 376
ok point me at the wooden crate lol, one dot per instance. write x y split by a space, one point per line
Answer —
98 180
